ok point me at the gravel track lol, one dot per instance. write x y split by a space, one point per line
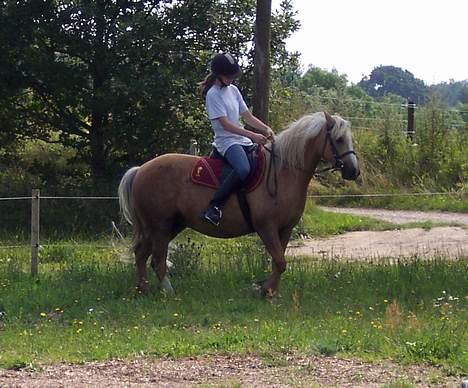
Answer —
230 371
440 241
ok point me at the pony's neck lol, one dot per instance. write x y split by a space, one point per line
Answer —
311 159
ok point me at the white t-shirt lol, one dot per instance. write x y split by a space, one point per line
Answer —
225 102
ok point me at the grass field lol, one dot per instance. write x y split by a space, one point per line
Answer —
430 203
84 305
86 308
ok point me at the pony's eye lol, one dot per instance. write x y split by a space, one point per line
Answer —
340 140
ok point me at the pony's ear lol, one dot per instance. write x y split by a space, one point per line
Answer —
330 121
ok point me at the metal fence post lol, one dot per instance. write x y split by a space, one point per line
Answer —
35 211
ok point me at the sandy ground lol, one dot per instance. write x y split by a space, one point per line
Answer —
405 216
446 241
230 371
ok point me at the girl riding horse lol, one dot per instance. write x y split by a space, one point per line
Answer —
224 104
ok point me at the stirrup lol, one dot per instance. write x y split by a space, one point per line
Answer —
213 215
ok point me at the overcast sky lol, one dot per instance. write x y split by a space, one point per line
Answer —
429 38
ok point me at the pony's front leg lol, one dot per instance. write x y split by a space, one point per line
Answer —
274 246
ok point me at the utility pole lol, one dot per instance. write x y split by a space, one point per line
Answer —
262 60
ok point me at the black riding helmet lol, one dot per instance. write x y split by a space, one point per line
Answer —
225 64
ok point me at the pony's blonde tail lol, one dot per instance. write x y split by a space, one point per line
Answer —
125 195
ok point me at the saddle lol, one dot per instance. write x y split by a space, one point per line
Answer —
210 171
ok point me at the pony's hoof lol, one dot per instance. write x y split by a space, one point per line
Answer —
260 289
263 290
166 286
142 288
257 288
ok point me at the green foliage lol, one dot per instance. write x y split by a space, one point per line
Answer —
434 161
57 171
185 257
452 93
390 79
316 78
118 81
71 108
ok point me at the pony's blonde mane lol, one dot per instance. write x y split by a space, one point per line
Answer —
290 144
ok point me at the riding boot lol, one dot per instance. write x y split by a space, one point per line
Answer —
214 212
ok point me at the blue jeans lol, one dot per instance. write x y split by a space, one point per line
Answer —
236 155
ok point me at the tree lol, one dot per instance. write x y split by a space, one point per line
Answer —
390 79
117 79
451 93
316 78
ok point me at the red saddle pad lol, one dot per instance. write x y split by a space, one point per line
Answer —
207 171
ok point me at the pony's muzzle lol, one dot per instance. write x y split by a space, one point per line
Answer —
350 168
350 173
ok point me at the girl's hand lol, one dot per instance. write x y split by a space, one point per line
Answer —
258 138
269 134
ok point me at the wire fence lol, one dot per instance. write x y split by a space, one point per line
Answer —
115 233
359 122
309 196
390 104
376 116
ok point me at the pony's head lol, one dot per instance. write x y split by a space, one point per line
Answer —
335 148
338 148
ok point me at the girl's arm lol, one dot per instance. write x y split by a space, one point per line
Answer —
229 126
254 122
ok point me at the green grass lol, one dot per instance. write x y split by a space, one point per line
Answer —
317 222
84 307
452 203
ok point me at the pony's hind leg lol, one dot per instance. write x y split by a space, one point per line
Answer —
159 261
161 240
142 251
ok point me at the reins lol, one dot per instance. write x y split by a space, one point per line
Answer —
272 168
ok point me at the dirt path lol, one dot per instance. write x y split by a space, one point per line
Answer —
446 241
230 371
404 216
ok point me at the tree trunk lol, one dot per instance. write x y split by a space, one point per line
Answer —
99 114
262 59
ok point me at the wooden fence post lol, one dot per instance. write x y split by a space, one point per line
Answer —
35 211
410 129
194 148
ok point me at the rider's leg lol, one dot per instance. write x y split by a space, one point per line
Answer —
237 158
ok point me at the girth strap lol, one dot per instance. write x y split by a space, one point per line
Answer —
245 207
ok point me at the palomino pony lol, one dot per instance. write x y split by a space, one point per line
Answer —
159 199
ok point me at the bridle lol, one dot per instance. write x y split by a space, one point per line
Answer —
339 164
